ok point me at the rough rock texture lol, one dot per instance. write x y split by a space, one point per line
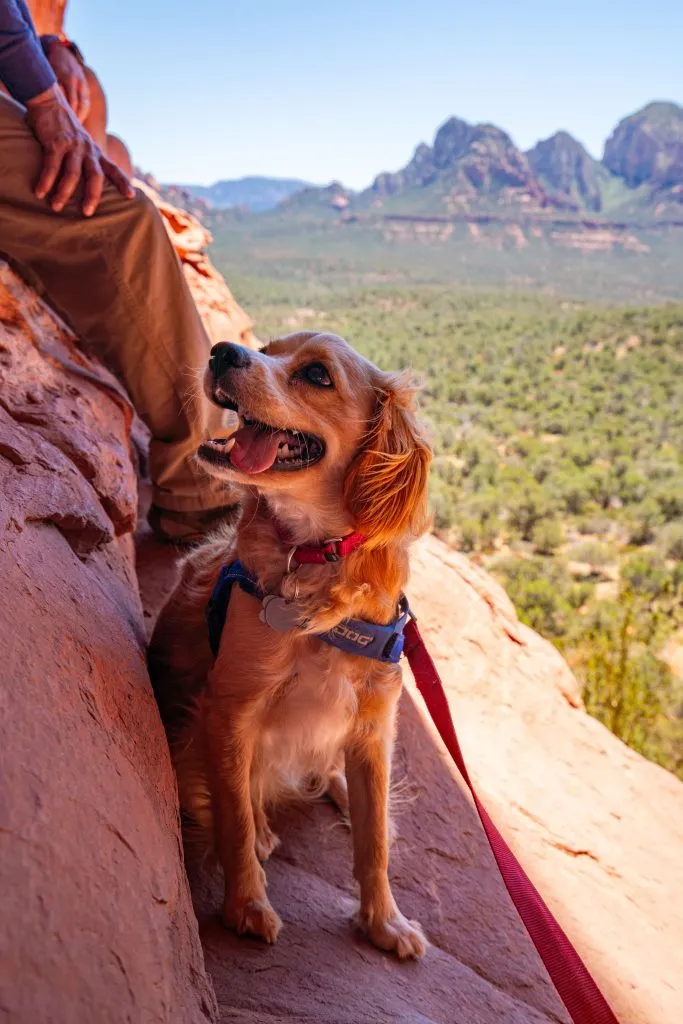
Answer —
468 166
96 923
482 968
223 318
96 920
563 165
647 147
599 829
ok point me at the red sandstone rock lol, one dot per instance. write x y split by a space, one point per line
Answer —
599 829
96 924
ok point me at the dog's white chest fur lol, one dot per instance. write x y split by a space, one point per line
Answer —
306 725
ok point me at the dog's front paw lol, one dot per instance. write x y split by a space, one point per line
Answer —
266 841
395 934
255 917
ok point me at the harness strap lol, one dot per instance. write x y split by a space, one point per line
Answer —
217 608
354 636
382 643
577 989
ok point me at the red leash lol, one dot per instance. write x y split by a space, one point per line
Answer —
576 988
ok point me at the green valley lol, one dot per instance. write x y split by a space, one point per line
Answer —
549 339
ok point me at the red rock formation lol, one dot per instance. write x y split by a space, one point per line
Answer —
96 921
599 829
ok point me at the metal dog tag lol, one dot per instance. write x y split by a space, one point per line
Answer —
279 614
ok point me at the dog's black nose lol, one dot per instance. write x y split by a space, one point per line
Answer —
226 356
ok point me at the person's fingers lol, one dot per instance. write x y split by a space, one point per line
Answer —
52 162
69 179
84 92
118 178
94 183
70 87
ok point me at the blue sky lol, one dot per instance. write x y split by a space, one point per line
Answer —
208 89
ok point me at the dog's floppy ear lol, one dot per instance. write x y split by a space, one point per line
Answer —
386 486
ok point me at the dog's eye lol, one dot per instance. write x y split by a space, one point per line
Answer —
317 374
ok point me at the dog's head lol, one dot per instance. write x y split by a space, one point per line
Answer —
319 422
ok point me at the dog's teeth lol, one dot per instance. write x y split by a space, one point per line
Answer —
222 444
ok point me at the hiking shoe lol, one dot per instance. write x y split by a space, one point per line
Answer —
187 528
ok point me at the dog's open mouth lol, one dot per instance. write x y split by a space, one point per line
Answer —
256 447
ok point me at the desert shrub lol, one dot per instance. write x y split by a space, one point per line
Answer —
670 541
581 454
447 470
647 575
443 508
539 589
643 521
669 497
595 525
527 507
625 688
632 486
469 534
614 652
578 593
547 536
660 469
574 493
595 554
542 468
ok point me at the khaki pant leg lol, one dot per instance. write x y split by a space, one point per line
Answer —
117 281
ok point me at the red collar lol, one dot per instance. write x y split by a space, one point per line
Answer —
319 554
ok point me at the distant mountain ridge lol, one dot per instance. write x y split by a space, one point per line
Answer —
467 163
253 193
647 147
565 167
477 169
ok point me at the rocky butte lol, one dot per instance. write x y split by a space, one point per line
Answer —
475 170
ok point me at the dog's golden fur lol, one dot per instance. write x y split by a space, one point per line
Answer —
282 713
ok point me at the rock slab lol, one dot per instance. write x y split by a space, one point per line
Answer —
97 923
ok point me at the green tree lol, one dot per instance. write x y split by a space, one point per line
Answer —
625 685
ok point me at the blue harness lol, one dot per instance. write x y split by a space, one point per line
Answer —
381 643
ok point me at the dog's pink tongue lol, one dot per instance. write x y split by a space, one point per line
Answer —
254 450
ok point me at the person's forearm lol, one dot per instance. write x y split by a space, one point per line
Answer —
24 69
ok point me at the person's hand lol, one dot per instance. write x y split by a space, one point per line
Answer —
70 74
69 155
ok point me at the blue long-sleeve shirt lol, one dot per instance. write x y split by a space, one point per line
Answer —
24 69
